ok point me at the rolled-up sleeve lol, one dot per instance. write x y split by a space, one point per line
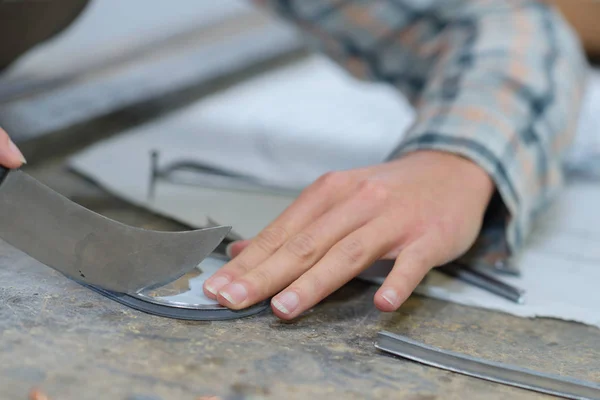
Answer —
496 81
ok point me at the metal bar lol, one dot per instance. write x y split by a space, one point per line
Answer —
154 173
205 313
489 370
484 281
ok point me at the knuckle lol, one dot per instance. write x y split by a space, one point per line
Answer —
240 266
261 280
352 251
374 191
302 246
271 239
331 181
313 287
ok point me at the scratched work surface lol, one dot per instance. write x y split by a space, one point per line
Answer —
75 344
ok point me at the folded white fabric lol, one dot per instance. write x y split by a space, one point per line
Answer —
288 127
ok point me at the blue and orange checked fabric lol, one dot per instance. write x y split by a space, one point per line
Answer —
496 81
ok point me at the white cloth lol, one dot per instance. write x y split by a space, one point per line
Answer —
288 127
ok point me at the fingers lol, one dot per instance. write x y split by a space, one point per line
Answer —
10 155
411 266
343 262
302 250
310 205
344 222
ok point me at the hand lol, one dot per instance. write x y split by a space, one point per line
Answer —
10 155
423 210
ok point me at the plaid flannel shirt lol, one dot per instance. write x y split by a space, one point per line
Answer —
496 81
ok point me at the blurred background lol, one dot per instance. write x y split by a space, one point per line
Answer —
118 63
224 94
116 56
226 97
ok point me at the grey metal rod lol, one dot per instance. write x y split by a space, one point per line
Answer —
484 281
489 370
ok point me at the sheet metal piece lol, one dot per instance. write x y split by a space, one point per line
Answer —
184 299
476 276
91 248
492 371
199 313
484 281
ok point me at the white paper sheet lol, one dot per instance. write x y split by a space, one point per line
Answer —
285 128
289 127
122 165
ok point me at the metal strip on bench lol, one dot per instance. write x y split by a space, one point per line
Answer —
183 298
489 370
201 313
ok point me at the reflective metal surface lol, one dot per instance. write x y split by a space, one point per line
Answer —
184 298
187 291
93 249
488 370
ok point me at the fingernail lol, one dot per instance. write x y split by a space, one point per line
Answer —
16 152
215 284
286 302
234 293
390 296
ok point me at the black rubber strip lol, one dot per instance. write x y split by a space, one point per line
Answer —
209 314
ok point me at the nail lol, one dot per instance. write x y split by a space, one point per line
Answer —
16 152
390 296
286 302
215 284
234 293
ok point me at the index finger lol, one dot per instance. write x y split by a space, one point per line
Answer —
312 203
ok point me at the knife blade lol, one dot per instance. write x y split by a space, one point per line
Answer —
91 248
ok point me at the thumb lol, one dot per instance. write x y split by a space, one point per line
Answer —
10 155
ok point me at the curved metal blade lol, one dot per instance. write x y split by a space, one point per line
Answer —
91 248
